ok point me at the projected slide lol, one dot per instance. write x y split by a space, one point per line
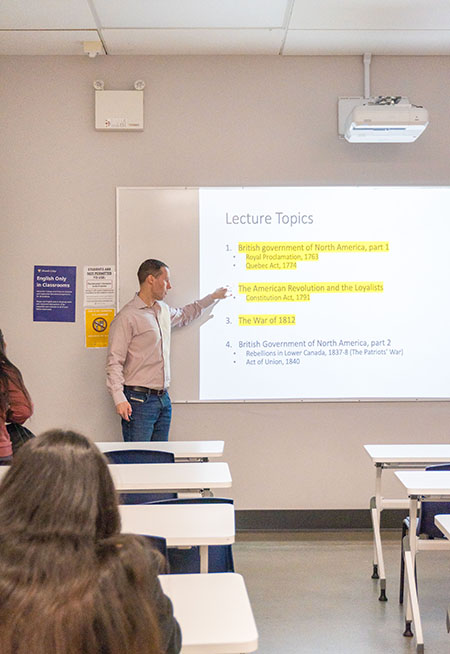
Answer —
337 292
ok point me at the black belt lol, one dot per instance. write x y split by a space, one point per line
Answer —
144 389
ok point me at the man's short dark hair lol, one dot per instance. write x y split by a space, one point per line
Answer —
150 267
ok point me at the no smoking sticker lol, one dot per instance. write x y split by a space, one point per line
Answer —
97 322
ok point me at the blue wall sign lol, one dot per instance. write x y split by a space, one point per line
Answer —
54 293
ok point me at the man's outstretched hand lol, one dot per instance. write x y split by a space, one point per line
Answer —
221 293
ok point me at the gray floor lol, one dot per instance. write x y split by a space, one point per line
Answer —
313 594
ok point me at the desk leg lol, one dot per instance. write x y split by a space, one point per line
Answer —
203 558
412 610
378 504
379 571
410 549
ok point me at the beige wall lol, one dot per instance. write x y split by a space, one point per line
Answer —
209 121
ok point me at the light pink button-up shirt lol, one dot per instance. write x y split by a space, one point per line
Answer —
139 343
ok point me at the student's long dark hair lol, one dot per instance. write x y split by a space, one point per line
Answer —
8 371
69 581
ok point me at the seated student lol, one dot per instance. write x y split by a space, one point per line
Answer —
70 583
15 401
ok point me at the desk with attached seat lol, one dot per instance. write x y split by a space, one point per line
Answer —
396 457
183 477
420 486
182 524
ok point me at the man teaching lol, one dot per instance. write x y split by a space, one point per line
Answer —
137 364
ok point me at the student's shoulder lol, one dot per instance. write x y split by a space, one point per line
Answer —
139 550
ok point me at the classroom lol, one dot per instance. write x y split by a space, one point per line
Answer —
222 110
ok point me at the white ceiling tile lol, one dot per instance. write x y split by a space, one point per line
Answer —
378 42
191 13
56 42
370 14
45 14
338 27
193 42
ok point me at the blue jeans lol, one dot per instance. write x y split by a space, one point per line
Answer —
150 418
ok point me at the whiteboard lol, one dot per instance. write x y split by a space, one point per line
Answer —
162 223
368 282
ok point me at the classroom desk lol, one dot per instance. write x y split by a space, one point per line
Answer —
214 612
177 477
443 523
420 486
182 524
396 457
182 450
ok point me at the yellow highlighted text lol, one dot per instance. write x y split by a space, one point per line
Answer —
268 320
279 255
301 291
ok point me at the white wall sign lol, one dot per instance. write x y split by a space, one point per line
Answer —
99 286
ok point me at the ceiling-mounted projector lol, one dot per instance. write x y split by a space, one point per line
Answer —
381 120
